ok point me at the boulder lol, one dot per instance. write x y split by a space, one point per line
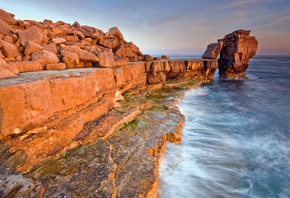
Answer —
50 47
32 47
106 58
7 70
76 24
33 34
7 17
47 22
83 54
5 29
58 41
72 38
44 57
55 66
20 23
238 48
165 57
70 59
8 39
116 32
10 50
27 66
147 57
213 50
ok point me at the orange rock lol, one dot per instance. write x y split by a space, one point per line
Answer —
26 66
50 47
33 34
106 58
83 55
55 66
44 57
70 59
72 38
7 17
165 57
58 41
116 32
32 47
10 50
7 70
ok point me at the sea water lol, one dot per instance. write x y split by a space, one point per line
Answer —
236 137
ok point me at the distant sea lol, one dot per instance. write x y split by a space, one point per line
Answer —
236 136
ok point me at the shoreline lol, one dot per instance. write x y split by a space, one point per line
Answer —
102 127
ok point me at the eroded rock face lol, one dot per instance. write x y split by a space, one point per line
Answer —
213 50
238 48
235 50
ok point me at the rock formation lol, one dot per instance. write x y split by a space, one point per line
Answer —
54 43
235 50
90 113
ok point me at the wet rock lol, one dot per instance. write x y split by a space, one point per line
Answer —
86 171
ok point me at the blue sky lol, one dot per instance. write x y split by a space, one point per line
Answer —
170 27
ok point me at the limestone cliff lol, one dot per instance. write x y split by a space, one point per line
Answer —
68 113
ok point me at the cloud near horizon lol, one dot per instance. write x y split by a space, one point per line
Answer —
184 26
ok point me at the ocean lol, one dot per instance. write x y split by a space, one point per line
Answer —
236 137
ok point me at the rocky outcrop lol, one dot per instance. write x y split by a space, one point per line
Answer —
161 71
213 50
108 130
30 40
238 48
235 50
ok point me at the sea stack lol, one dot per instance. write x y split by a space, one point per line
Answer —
235 50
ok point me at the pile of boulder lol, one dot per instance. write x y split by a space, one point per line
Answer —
235 50
32 46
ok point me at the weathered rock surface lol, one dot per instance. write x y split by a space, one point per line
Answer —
7 17
5 29
44 57
33 34
213 50
160 71
10 50
26 66
70 59
238 48
235 50
55 66
106 58
32 47
7 70
82 54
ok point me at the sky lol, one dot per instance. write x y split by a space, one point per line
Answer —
170 27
